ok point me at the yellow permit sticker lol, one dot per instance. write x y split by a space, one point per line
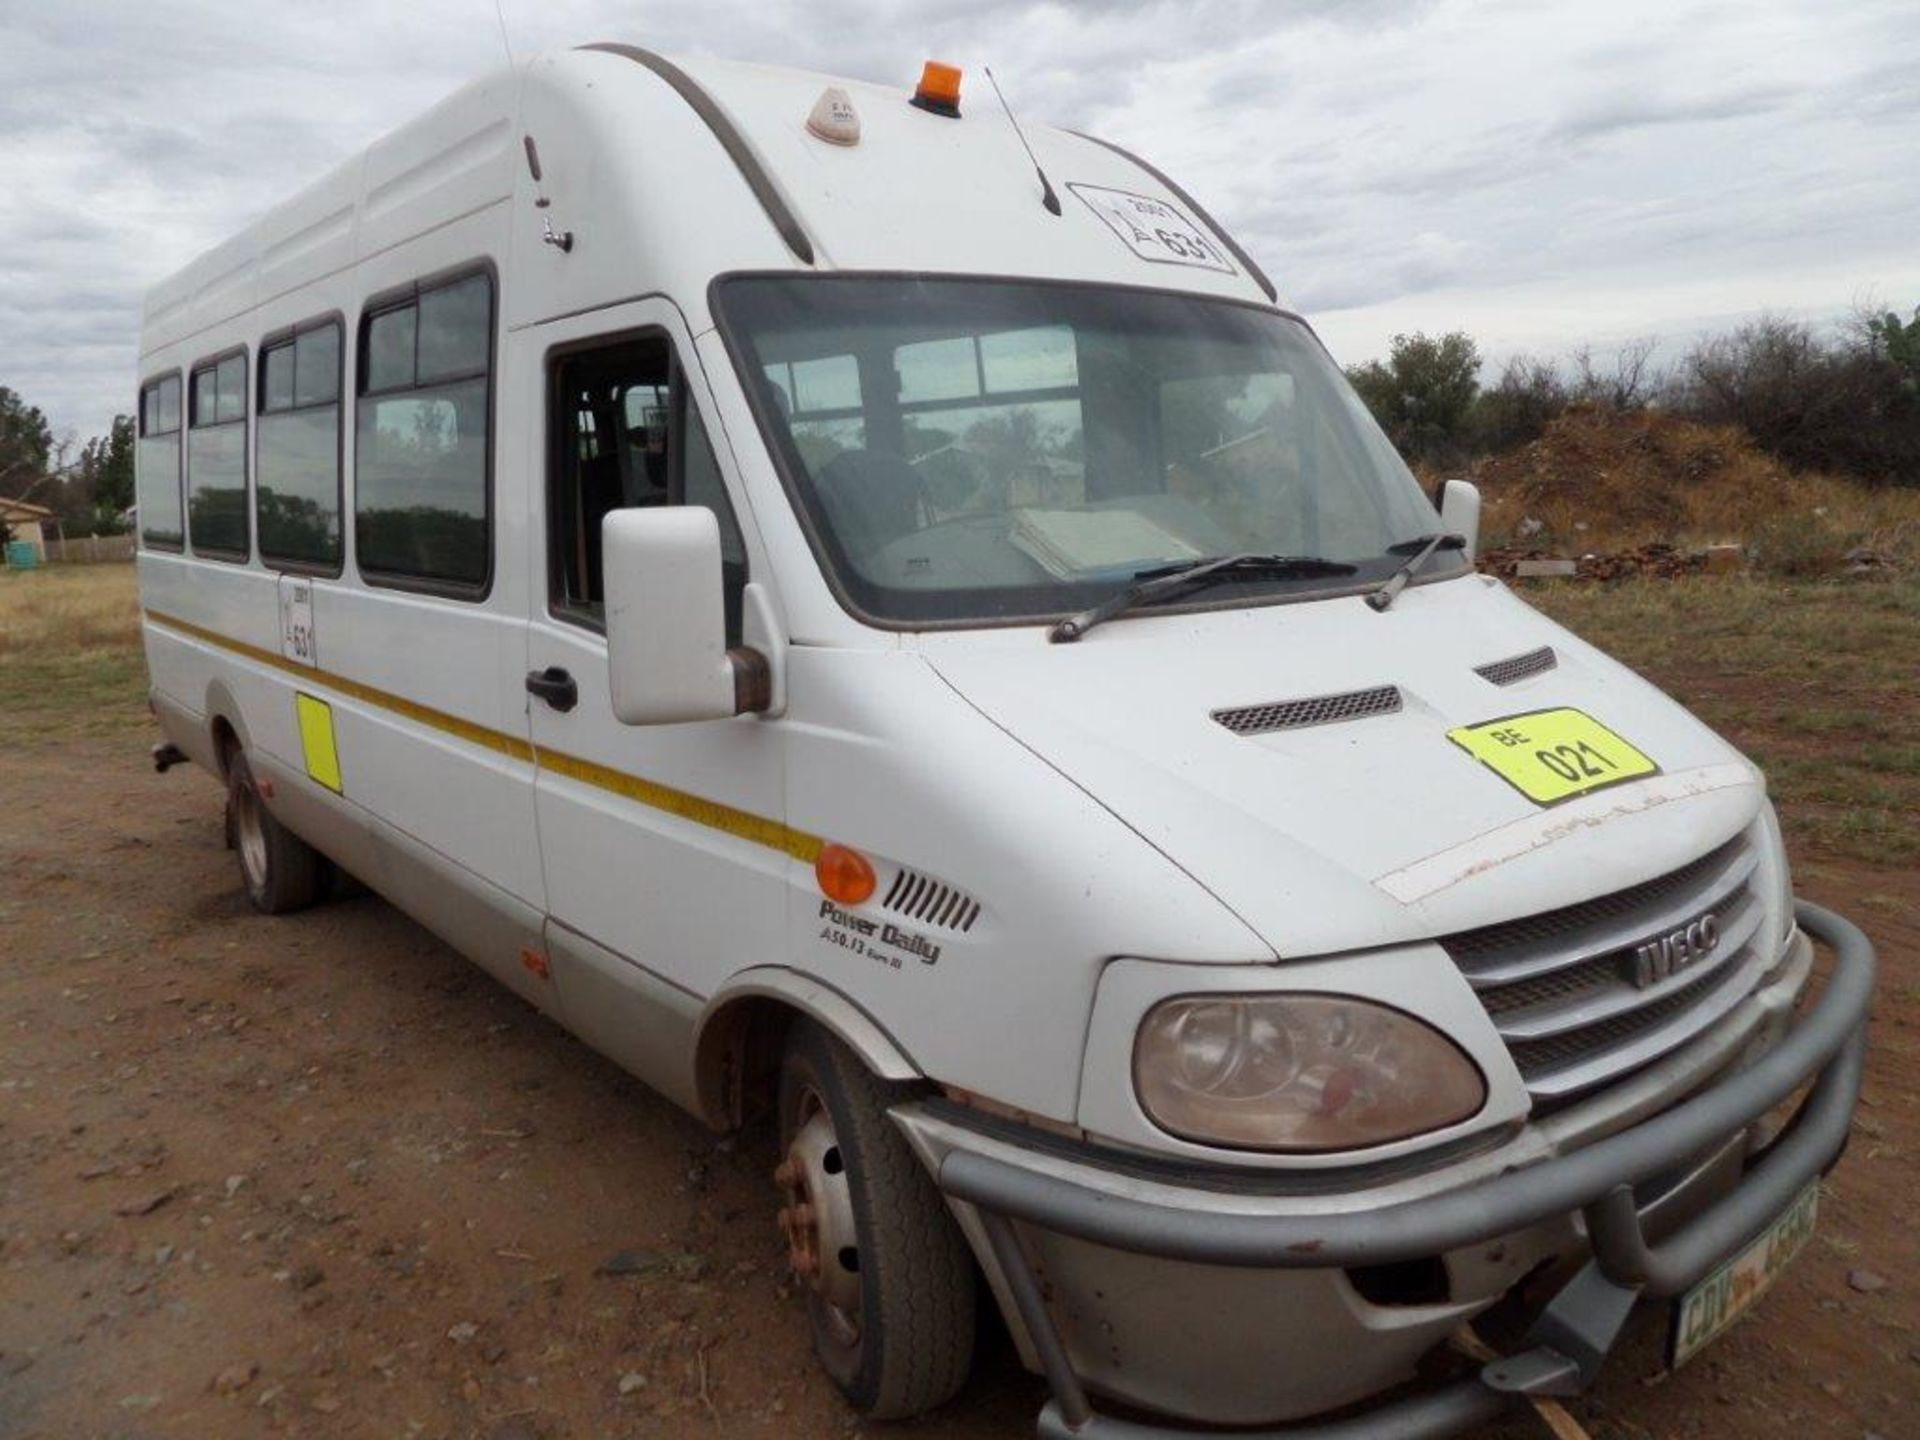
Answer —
1553 755
316 740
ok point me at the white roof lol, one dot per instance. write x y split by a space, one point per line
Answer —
659 204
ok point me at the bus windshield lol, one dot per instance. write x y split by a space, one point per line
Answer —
990 451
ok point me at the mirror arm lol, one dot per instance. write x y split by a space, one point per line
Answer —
752 680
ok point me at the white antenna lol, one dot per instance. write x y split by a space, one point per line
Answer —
500 14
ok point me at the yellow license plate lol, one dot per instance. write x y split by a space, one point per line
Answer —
1553 755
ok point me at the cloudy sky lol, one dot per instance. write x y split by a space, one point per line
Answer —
1538 174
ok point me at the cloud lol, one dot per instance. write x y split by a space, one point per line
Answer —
1613 115
1539 175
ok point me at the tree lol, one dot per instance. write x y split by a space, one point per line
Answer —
26 441
1423 395
1630 383
106 475
1899 343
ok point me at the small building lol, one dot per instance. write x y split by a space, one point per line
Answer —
27 523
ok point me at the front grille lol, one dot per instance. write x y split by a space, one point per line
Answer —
1316 710
1557 1051
1516 668
1562 986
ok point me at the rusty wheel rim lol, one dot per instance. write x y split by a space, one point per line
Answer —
816 1217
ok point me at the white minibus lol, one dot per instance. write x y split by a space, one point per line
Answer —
882 621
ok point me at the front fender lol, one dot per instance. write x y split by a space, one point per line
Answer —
723 1052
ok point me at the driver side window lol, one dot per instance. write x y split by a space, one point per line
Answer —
626 433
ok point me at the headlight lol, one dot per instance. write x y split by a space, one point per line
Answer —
1298 1072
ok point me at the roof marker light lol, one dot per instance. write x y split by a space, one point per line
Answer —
939 90
834 119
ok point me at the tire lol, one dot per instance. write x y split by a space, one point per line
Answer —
892 1303
280 871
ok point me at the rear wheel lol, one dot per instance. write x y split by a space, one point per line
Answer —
888 1280
281 871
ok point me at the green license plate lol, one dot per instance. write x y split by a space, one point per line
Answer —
1705 1312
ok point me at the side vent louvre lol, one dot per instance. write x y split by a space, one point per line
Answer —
1318 710
1518 667
922 898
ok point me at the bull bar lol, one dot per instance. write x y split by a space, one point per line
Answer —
1573 1334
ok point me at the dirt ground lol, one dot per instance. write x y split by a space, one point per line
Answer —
317 1176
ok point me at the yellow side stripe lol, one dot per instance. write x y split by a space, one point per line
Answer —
742 824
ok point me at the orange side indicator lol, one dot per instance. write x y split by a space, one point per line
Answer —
535 963
939 89
845 875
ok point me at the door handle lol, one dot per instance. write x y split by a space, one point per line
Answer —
555 686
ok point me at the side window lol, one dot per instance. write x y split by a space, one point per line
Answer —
217 459
423 438
157 458
820 399
626 433
992 421
296 469
1230 447
1242 449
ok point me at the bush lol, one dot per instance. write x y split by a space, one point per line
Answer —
1423 395
1802 544
1849 407
1528 394
1845 405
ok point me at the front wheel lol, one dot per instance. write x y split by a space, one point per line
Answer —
888 1280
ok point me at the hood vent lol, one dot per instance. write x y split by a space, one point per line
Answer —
1518 667
1319 710
922 898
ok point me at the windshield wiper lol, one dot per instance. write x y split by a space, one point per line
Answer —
1421 547
1150 586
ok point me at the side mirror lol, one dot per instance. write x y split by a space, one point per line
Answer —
667 655
1460 513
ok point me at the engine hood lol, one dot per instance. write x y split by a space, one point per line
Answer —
1367 831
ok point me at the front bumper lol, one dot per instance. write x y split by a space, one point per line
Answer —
1530 1209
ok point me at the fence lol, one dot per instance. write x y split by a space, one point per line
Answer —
89 550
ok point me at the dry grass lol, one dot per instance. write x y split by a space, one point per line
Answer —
1817 681
70 659
66 610
1604 481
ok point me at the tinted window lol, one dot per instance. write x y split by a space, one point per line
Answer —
217 509
167 404
317 366
422 439
455 325
217 460
632 395
206 397
975 451
157 462
820 401
390 350
938 369
277 386
297 461
420 477
232 377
